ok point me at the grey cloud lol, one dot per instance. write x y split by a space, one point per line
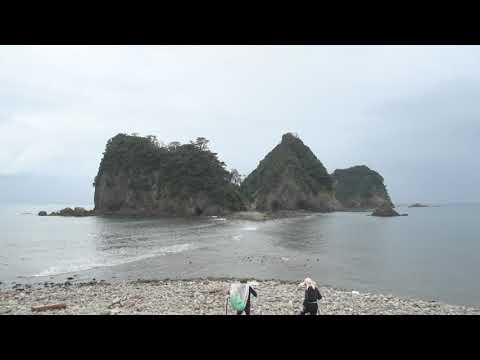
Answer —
409 112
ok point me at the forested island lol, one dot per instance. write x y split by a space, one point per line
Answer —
138 175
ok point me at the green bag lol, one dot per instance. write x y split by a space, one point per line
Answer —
237 302
238 296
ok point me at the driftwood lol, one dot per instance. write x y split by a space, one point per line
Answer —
48 307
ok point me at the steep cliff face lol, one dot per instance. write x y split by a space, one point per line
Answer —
138 176
290 177
359 187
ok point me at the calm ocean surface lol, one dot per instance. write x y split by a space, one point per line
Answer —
434 253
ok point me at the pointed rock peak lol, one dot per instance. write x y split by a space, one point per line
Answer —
290 138
290 177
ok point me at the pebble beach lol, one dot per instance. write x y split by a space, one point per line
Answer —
203 297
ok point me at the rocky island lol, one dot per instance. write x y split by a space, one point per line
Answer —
138 176
290 177
359 187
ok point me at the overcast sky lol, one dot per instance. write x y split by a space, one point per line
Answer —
412 113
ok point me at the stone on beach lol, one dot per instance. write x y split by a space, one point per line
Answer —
48 307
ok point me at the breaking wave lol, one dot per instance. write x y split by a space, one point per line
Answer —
83 265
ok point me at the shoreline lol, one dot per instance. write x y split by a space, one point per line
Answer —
249 215
206 297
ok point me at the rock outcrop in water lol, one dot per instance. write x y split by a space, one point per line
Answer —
385 210
290 177
137 176
359 187
417 205
76 212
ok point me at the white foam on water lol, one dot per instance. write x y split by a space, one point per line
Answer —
203 226
237 237
87 264
250 228
66 268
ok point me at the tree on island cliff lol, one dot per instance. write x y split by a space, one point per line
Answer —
174 145
201 143
235 177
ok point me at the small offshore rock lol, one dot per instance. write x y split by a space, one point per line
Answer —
417 205
76 212
386 210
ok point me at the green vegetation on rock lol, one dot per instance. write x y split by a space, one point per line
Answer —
139 173
360 187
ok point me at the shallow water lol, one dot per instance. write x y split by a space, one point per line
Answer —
434 253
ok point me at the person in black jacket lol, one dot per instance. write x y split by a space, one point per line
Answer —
312 295
251 291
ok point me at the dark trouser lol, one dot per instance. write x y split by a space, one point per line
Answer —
310 308
247 309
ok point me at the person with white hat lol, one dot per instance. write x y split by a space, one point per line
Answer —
312 295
